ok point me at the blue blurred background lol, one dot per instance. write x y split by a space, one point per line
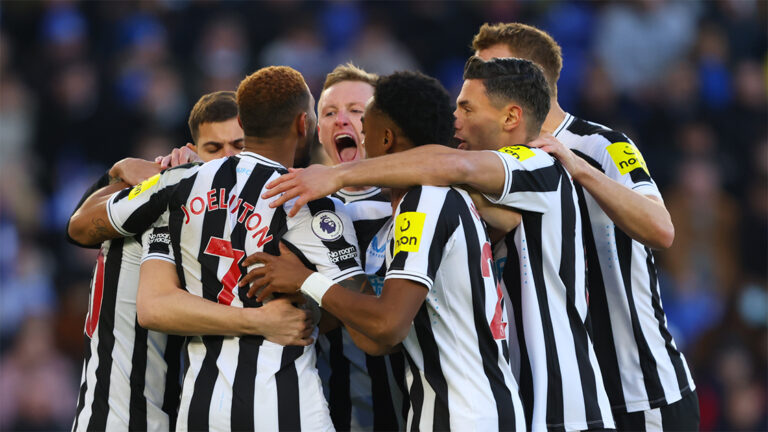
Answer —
85 83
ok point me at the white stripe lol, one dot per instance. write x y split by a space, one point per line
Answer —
653 420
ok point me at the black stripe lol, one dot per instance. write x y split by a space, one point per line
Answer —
384 418
173 377
84 385
647 362
415 393
583 127
589 160
176 219
100 406
287 379
674 354
397 362
199 405
366 230
144 216
410 202
214 223
567 274
339 403
512 281
532 228
446 224
138 404
489 349
243 386
433 371
341 243
545 179
598 316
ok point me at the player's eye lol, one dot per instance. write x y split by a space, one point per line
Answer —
329 113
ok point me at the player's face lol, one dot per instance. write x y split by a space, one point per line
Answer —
374 130
219 139
478 122
495 51
340 108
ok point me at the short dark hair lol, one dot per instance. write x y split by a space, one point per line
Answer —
212 108
526 42
270 99
418 104
349 72
513 79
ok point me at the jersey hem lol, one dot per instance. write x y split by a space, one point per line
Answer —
654 404
422 279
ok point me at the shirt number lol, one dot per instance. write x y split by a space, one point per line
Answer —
223 248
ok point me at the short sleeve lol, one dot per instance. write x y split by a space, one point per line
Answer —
323 236
156 244
530 176
135 209
425 223
623 162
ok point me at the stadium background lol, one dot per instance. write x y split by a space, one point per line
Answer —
83 84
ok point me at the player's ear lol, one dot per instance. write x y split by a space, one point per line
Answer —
513 117
301 124
389 140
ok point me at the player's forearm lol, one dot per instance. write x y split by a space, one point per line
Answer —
181 313
90 225
369 316
644 219
425 165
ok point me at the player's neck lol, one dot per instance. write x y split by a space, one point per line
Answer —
396 195
278 149
555 116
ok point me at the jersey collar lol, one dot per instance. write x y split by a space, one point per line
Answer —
564 124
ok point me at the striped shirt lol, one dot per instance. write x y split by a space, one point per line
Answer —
362 390
642 368
130 378
458 375
216 218
544 275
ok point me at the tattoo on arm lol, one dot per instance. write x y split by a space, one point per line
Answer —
99 229
359 284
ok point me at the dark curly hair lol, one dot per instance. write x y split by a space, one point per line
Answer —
270 99
418 104
514 80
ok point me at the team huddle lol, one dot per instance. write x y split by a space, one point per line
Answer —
507 284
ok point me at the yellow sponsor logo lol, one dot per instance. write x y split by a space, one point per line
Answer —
627 157
408 229
143 186
520 152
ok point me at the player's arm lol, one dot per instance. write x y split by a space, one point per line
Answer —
425 165
89 224
501 218
643 217
163 305
376 324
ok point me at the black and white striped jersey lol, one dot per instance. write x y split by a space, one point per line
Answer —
362 390
216 218
544 275
642 368
458 376
130 378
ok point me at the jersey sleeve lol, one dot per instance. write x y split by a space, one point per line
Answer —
133 210
156 244
323 236
530 175
622 161
424 229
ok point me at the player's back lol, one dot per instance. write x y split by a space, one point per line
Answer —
216 218
642 367
458 374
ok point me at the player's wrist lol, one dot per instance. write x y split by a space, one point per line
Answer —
315 287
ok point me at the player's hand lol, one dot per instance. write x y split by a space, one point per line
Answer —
551 145
283 274
282 323
179 156
307 184
134 171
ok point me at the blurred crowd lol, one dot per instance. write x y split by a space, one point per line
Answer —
84 84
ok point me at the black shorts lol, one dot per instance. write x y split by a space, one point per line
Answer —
682 415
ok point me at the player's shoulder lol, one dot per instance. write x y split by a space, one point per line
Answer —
587 134
529 158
